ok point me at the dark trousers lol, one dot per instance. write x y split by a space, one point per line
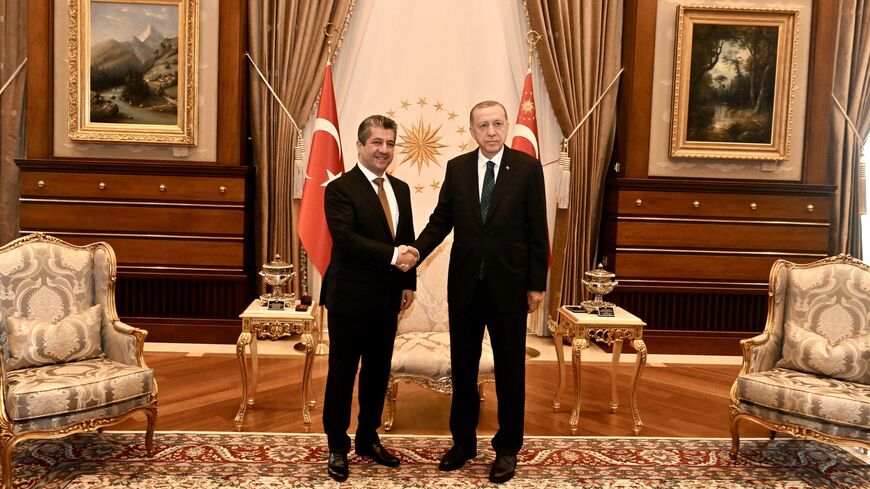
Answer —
507 333
351 339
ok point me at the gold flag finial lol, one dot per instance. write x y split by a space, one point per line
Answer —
532 38
329 32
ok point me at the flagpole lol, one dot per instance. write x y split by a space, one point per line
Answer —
322 346
532 38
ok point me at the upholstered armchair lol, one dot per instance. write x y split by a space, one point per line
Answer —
808 373
68 364
421 353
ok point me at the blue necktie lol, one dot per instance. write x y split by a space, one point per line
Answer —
485 200
486 192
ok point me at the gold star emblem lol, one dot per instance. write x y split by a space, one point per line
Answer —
391 113
421 102
527 106
405 104
418 188
420 145
452 115
439 106
461 130
435 184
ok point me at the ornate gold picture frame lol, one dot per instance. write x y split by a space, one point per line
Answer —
133 71
734 74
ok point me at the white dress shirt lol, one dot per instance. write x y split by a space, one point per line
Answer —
481 167
391 200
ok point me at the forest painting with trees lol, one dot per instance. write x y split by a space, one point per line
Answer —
732 83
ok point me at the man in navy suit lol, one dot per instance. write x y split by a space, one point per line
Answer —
368 282
493 199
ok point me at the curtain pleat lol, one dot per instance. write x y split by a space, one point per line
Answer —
13 26
286 39
581 53
852 90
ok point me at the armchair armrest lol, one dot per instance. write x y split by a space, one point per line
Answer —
124 343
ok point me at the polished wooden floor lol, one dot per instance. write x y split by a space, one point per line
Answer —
202 393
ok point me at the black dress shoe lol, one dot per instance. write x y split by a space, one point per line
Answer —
337 466
503 468
379 454
456 457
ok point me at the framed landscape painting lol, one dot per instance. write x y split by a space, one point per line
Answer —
734 75
133 71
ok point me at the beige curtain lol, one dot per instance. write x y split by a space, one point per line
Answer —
852 91
287 41
13 26
580 53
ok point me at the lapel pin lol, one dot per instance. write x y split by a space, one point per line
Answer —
507 168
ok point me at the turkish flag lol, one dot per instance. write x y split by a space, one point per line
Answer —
324 165
526 131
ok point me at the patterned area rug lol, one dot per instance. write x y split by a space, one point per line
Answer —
243 460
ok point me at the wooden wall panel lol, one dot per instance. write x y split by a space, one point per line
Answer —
723 235
40 64
693 255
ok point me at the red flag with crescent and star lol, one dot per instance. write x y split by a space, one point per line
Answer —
325 164
526 131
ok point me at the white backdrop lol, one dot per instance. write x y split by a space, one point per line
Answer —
425 64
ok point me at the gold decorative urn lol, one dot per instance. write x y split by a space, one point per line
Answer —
598 282
276 273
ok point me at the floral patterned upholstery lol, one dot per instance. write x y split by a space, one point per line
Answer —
421 351
68 363
73 387
808 373
36 342
812 396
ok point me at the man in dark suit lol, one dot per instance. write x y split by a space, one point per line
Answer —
366 285
493 199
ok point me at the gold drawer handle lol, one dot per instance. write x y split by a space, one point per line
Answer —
811 208
162 188
753 206
696 204
40 184
638 202
102 185
222 189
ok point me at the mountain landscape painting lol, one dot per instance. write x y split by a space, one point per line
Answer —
134 63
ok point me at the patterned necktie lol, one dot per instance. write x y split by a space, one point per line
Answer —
486 192
382 196
485 200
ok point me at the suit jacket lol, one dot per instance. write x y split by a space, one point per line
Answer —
513 241
360 279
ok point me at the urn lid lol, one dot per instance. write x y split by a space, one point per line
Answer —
277 267
599 275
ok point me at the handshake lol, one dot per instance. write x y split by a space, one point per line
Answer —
407 257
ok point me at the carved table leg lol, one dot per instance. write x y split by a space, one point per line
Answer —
580 342
560 362
255 368
244 340
308 341
640 346
614 374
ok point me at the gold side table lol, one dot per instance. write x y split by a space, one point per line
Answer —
258 320
609 330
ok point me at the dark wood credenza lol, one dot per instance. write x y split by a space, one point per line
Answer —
178 233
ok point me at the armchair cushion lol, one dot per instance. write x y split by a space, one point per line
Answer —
427 354
38 342
827 322
808 396
74 386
